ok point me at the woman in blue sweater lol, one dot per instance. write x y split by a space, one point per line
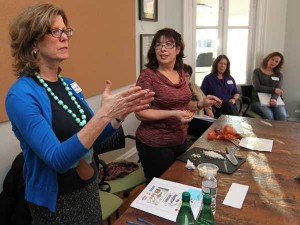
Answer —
55 126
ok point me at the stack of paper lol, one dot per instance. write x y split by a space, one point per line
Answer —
264 99
205 118
258 144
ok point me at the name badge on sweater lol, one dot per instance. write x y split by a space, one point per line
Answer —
275 78
229 82
75 87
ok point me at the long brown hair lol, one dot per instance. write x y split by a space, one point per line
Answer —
265 61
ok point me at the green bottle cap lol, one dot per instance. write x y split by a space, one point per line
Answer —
186 197
207 199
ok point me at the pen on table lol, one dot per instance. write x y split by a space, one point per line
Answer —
144 221
133 223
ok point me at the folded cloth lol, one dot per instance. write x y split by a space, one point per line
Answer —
119 169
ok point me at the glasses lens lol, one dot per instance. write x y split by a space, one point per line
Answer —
169 45
56 33
69 32
157 45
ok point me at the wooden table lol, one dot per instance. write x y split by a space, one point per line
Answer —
273 196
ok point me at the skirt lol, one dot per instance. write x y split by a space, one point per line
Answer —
81 207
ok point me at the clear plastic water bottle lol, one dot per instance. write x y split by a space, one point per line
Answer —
209 186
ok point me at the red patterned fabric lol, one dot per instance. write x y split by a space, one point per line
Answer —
168 96
120 169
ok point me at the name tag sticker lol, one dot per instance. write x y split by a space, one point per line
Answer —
229 82
76 88
275 78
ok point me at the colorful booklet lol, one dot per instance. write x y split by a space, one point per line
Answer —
163 198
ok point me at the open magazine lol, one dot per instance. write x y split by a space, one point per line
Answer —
163 198
264 99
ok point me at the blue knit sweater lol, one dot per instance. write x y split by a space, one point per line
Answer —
29 110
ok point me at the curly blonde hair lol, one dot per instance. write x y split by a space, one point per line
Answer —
26 30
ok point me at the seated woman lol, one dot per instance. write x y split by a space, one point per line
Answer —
221 84
196 127
268 79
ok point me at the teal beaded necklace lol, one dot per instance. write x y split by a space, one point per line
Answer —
81 122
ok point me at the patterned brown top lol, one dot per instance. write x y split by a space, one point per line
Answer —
168 96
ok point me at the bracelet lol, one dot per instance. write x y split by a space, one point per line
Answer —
119 120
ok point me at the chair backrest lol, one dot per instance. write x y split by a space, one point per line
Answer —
115 141
204 59
247 90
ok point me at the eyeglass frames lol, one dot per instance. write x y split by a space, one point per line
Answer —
167 45
57 33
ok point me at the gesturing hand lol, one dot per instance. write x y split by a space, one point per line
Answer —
131 100
210 100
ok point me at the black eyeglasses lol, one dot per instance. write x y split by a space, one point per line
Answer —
57 33
167 45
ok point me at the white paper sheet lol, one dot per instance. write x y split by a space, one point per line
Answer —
264 99
163 198
236 195
205 118
258 144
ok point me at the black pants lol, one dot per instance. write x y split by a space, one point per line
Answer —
156 160
197 127
226 109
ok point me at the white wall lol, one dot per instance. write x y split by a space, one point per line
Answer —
292 65
169 15
275 26
282 34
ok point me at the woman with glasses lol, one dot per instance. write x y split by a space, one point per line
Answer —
55 126
161 136
221 84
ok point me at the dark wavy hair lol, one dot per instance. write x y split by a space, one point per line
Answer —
214 68
188 69
172 35
265 61
26 30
